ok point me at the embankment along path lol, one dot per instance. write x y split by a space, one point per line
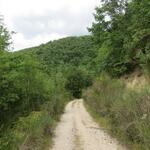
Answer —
78 131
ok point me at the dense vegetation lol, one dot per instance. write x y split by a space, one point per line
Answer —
122 31
36 83
123 111
77 81
30 101
74 57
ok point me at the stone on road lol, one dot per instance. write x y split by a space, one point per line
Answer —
78 131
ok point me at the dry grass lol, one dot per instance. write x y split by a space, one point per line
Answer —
128 110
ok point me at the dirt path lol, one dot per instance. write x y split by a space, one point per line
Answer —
78 131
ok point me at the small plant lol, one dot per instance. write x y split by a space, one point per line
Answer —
128 110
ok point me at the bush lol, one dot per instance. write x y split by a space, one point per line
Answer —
105 92
30 101
128 110
76 81
133 116
28 132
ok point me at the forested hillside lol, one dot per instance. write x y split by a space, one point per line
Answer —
74 51
36 83
73 57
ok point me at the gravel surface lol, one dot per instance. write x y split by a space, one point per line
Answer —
78 131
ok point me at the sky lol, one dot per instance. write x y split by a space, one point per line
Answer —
39 21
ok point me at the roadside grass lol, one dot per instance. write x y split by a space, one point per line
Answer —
106 126
103 122
123 112
31 132
34 131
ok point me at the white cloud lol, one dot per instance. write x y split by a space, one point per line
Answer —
21 42
38 21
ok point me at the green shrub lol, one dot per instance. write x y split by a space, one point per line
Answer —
76 81
131 115
128 110
25 91
29 132
105 92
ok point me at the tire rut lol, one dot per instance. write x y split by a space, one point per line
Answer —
78 131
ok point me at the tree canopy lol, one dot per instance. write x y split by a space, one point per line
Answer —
122 31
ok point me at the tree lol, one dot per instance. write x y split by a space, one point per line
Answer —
4 36
122 29
106 18
76 81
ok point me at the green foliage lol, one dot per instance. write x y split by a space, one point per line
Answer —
29 132
4 36
39 78
76 81
34 80
128 111
23 86
121 28
132 113
71 52
27 88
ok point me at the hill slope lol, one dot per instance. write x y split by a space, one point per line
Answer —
73 51
33 92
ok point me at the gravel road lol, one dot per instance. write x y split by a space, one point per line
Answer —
78 131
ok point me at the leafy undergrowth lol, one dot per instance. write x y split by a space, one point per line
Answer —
31 132
124 112
31 100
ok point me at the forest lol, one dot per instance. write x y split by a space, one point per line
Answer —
36 83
